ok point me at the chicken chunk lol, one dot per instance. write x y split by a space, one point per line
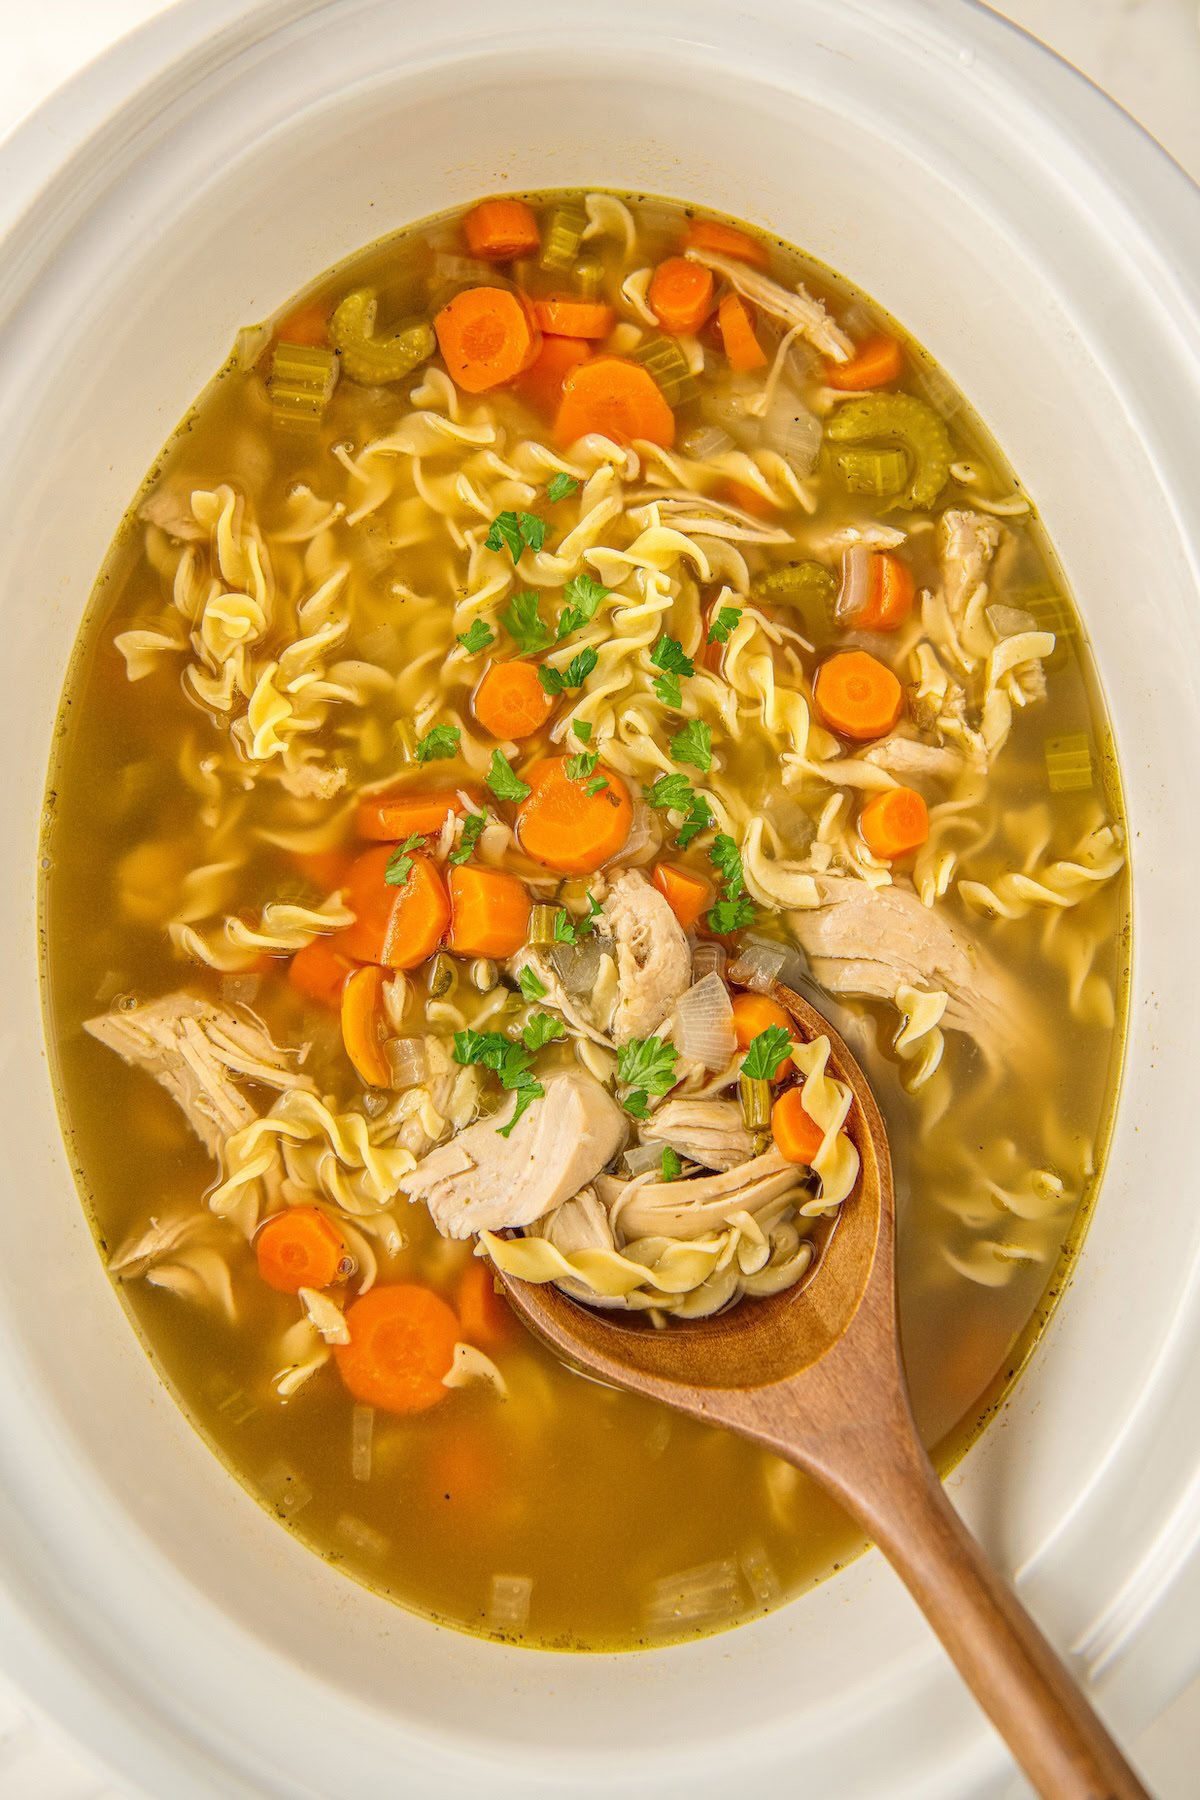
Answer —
654 963
709 1132
911 759
481 1181
687 1209
967 541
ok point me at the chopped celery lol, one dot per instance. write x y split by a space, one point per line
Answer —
588 277
808 586
913 425
562 238
661 357
756 1102
443 976
301 384
542 921
881 473
372 360
1069 763
1051 612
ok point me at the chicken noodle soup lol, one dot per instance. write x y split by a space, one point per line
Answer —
560 625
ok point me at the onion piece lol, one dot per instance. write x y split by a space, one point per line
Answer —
791 431
578 965
703 1028
705 442
708 959
362 1430
1010 621
408 1061
856 584
640 1158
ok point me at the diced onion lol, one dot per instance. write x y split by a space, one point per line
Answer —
408 1062
758 967
792 431
856 584
708 959
705 442
578 965
703 1027
641 1157
362 1432
1010 621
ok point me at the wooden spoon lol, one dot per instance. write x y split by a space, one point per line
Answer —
815 1374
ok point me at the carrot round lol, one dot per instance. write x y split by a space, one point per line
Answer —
387 818
727 240
737 334
401 1345
395 926
496 230
894 823
753 1013
308 325
740 493
617 398
857 696
797 1135
299 1248
876 362
542 383
485 1316
489 912
361 997
326 869
889 594
565 315
319 970
687 894
487 337
565 827
680 295
510 701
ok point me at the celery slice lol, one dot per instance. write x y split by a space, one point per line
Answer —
588 277
881 473
1069 764
542 921
808 586
373 360
562 238
755 1096
301 383
662 357
1051 612
904 420
443 976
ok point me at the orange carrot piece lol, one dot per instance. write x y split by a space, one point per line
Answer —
680 295
857 696
739 493
617 398
496 230
326 869
489 912
361 1011
687 894
319 970
389 817
565 315
308 325
889 594
894 823
727 240
753 1013
797 1134
487 337
542 383
565 827
510 701
485 1316
395 926
299 1248
876 361
402 1340
462 1473
737 335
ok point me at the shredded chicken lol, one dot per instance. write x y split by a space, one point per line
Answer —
654 962
581 1223
968 541
687 1209
709 1132
915 760
792 308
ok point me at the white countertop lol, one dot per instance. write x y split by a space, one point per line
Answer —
1146 53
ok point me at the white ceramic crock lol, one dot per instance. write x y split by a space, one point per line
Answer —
1033 238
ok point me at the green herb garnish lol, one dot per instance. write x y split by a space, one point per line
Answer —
516 532
723 625
560 485
568 930
557 681
439 744
541 1030
531 984
509 1062
730 915
473 824
476 637
675 793
726 859
668 656
400 861
693 745
524 623
583 596
582 729
503 783
669 1166
766 1053
645 1066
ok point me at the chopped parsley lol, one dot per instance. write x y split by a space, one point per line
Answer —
675 793
699 818
524 623
735 911
583 596
723 625
568 930
583 768
400 861
439 744
669 1166
557 681
476 637
582 729
531 984
473 824
516 532
541 1030
731 915
503 783
693 745
766 1053
509 1062
668 656
645 1066
560 485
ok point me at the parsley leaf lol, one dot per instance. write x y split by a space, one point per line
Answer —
527 1093
476 637
531 984
583 596
595 786
439 743
721 627
473 824
699 818
560 485
675 793
568 930
727 860
400 862
515 532
582 729
730 915
556 681
693 745
508 1061
503 783
636 1103
669 1166
766 1052
668 656
583 767
541 1029
524 623
478 1047
645 1066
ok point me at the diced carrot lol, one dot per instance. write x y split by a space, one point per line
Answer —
565 315
489 912
485 1316
487 337
565 827
857 696
462 1473
308 325
496 230
797 1134
542 383
889 594
361 1015
680 295
319 970
737 334
389 817
299 1248
687 894
510 701
326 869
876 361
395 926
753 1013
727 240
402 1340
894 823
739 493
617 398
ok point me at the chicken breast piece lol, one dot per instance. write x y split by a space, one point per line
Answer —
654 962
687 1209
967 542
913 759
481 1181
709 1132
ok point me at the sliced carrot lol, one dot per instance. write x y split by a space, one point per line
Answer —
617 398
565 827
857 696
727 240
496 230
876 361
565 315
487 337
299 1248
462 1472
319 970
402 1340
739 493
889 594
542 383
389 817
510 701
687 894
395 926
894 823
326 869
753 1013
485 1316
680 295
361 1013
309 325
489 912
737 334
797 1134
